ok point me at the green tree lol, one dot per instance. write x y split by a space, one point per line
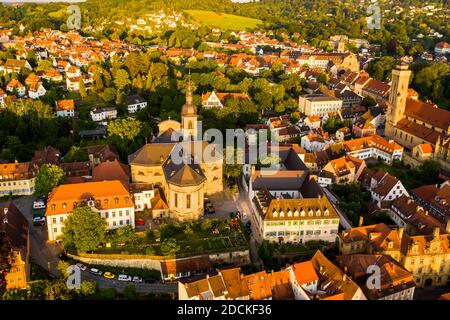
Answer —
88 288
266 251
76 154
124 128
122 79
82 88
83 230
129 292
169 247
49 177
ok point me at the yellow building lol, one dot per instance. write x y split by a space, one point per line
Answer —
14 227
17 178
185 168
427 257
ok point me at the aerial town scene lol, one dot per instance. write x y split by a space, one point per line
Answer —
225 150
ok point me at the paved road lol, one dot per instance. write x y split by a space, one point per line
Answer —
41 252
104 283
244 205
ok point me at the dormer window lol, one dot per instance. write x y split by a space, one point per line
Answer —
310 213
296 213
64 205
116 200
318 212
326 212
289 213
53 207
281 214
275 213
127 199
302 213
105 202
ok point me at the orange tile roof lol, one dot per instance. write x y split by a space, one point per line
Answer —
65 105
305 272
106 195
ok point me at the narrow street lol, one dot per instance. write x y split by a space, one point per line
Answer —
104 283
244 205
41 252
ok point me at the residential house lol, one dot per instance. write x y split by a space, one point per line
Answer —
384 188
36 90
16 86
409 215
65 108
215 99
395 282
320 279
13 65
102 114
135 103
18 178
344 170
434 198
110 199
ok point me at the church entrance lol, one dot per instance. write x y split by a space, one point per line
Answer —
428 282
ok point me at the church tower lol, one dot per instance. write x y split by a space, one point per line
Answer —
189 115
397 98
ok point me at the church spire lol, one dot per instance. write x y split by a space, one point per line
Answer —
189 99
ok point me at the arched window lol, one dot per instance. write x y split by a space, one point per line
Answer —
190 126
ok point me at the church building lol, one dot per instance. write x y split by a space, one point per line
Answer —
183 167
410 122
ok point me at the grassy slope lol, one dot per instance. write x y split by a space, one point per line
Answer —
223 20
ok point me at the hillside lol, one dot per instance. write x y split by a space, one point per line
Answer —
222 20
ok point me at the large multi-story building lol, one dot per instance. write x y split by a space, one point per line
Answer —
14 227
296 220
18 178
427 257
319 104
411 122
110 199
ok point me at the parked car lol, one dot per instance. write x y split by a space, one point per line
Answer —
81 266
137 279
109 275
39 221
140 222
39 204
96 271
124 277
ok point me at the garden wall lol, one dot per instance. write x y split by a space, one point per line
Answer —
239 257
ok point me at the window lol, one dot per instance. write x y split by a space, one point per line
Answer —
188 201
128 212
176 200
54 220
